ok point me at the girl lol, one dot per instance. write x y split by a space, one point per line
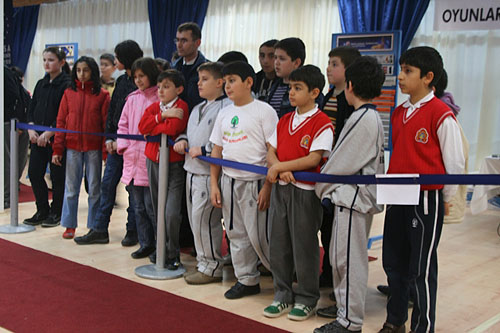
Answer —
84 108
145 73
43 111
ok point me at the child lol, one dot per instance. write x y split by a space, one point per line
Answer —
204 219
264 79
289 54
426 140
298 144
240 134
108 68
145 73
43 111
155 121
84 107
359 151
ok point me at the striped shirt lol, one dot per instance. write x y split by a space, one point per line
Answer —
277 97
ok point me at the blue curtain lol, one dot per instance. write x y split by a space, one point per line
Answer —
164 18
380 15
25 20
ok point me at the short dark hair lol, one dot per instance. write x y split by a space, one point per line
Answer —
425 58
243 69
294 47
148 67
310 75
441 84
232 56
127 52
269 43
347 54
214 68
94 74
162 64
18 72
172 75
366 76
191 26
109 57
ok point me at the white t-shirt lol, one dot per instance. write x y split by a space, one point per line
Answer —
242 132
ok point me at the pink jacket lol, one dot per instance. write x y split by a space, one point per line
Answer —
134 159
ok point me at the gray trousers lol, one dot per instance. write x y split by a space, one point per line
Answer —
295 216
246 227
349 257
22 159
173 217
205 221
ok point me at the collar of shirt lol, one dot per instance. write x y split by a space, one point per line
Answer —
164 107
187 63
410 108
299 118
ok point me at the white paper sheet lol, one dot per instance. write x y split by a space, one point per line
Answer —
389 194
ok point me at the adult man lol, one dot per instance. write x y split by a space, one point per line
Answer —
188 40
265 78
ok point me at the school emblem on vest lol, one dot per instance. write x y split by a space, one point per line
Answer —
422 136
304 142
235 121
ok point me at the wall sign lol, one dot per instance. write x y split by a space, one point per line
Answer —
466 15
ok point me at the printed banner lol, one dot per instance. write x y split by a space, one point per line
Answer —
466 15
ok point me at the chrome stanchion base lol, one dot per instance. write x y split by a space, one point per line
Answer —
16 229
154 273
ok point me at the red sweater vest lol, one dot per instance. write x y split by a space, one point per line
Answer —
294 144
415 142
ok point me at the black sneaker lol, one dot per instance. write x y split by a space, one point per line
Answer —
384 289
173 264
93 237
328 312
333 327
37 219
52 221
240 290
130 238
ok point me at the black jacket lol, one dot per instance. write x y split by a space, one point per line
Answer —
344 111
46 99
190 94
124 86
11 94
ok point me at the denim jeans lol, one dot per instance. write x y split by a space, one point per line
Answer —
110 180
146 224
75 163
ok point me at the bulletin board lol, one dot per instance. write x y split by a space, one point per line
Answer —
385 46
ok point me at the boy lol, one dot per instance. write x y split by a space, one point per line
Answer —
240 134
169 116
336 108
205 220
265 77
426 140
359 151
298 144
289 54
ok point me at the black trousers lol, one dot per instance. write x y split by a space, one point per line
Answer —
39 158
411 238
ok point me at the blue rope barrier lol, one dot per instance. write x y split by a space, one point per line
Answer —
482 179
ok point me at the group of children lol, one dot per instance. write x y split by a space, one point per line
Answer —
273 219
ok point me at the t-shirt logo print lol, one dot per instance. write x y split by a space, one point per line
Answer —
234 121
422 136
304 142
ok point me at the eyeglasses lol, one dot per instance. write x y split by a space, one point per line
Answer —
181 40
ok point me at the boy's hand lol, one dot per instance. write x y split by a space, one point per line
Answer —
172 113
264 196
215 196
195 151
33 135
111 147
287 177
180 147
447 206
57 159
272 173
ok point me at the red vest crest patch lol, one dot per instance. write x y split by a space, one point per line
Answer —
304 142
422 136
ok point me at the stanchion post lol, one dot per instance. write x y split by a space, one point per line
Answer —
158 271
14 227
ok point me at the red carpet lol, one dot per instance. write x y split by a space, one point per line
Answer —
43 293
26 193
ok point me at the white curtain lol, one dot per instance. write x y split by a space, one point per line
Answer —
471 61
96 25
243 26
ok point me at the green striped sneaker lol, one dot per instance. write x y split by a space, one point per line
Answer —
300 312
276 309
